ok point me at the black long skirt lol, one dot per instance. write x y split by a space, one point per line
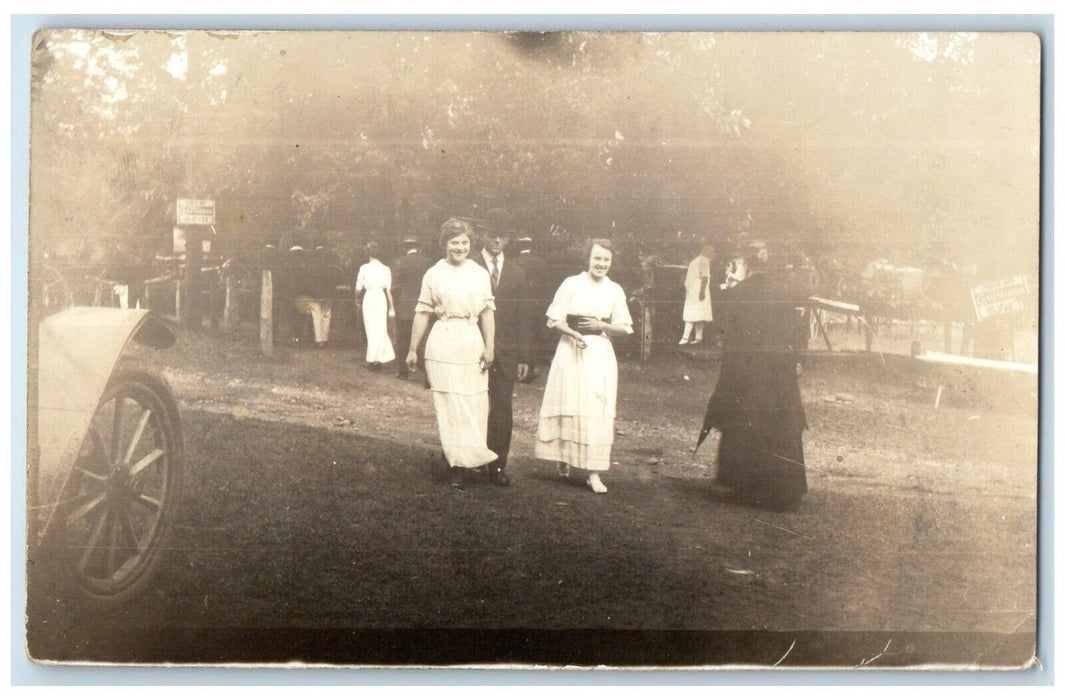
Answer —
765 470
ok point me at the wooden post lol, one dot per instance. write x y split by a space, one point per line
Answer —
231 313
648 331
266 315
193 302
215 304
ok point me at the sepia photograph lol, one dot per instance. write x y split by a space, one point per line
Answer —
514 349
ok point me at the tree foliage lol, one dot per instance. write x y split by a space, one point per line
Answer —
852 145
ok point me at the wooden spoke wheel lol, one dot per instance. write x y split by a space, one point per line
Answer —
50 291
124 489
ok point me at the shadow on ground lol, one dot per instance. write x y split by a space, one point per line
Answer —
317 545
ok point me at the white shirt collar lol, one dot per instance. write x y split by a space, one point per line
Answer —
488 259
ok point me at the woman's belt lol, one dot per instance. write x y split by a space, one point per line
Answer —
573 319
468 318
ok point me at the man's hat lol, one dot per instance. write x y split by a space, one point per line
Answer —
410 242
499 221
525 239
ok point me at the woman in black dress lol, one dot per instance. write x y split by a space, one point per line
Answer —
756 404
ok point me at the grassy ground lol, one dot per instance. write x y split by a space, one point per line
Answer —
308 505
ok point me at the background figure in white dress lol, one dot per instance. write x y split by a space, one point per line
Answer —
374 282
576 427
736 272
460 349
697 307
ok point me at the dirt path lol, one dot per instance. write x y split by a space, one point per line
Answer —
866 429
308 506
892 473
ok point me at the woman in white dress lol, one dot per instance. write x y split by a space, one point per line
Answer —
697 307
576 427
374 282
459 351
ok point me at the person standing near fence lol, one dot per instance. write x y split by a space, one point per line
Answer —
576 426
326 266
735 272
459 351
126 267
698 309
374 283
756 404
297 284
407 273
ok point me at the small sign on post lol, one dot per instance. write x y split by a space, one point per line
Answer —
195 212
194 224
999 297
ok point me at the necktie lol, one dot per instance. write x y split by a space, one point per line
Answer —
495 272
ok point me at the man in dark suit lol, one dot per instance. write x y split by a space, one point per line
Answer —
512 347
407 273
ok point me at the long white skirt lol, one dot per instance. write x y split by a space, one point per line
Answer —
577 415
375 321
696 310
460 391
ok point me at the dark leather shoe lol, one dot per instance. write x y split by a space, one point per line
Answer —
499 479
458 479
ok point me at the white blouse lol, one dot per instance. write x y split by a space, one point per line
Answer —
450 291
373 275
580 295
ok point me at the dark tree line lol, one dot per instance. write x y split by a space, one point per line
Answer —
910 146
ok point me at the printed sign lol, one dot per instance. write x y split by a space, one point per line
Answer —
195 212
1000 297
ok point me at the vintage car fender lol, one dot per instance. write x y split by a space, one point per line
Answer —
77 352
